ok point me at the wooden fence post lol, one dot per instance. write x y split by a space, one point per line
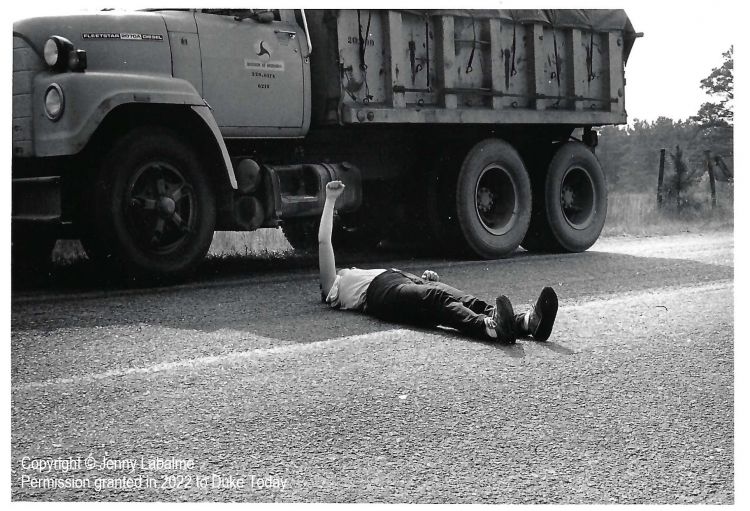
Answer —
711 178
659 188
720 163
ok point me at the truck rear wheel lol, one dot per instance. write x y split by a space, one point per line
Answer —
571 204
493 199
154 209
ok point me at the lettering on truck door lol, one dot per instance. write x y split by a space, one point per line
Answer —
252 73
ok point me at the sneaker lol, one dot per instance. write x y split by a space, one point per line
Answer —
503 318
542 316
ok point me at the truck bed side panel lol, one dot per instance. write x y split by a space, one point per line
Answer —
463 66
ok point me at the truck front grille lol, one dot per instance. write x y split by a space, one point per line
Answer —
25 64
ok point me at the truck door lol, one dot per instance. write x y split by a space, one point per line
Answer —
253 75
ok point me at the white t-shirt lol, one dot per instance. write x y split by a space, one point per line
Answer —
349 290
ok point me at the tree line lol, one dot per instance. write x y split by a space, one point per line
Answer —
630 154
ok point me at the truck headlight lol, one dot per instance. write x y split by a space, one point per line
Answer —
54 102
56 51
51 52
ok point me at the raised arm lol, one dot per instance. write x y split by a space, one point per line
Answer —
326 258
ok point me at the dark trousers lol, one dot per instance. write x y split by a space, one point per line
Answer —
405 298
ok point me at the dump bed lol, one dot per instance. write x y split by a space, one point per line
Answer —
469 66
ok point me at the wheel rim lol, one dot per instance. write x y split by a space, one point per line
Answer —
160 207
578 198
495 200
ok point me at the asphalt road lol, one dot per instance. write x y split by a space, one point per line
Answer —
252 390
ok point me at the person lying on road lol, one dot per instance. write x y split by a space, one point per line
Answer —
397 296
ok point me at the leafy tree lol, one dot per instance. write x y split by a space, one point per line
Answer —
630 154
715 118
719 85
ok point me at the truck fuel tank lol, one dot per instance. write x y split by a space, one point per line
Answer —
300 190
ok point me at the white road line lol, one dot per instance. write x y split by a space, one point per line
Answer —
209 360
663 292
320 345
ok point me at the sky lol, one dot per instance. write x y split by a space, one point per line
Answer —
679 48
682 42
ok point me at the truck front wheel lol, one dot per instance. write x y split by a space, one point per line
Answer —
153 208
572 205
493 199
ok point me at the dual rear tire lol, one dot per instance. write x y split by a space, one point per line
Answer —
493 199
570 202
489 205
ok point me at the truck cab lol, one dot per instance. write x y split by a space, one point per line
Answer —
82 82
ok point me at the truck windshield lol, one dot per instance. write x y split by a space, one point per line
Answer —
243 13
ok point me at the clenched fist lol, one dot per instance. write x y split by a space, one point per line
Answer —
431 276
334 189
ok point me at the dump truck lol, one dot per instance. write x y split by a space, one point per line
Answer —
141 133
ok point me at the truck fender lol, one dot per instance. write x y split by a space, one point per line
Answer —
89 98
208 118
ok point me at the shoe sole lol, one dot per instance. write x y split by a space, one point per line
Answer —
546 307
504 327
